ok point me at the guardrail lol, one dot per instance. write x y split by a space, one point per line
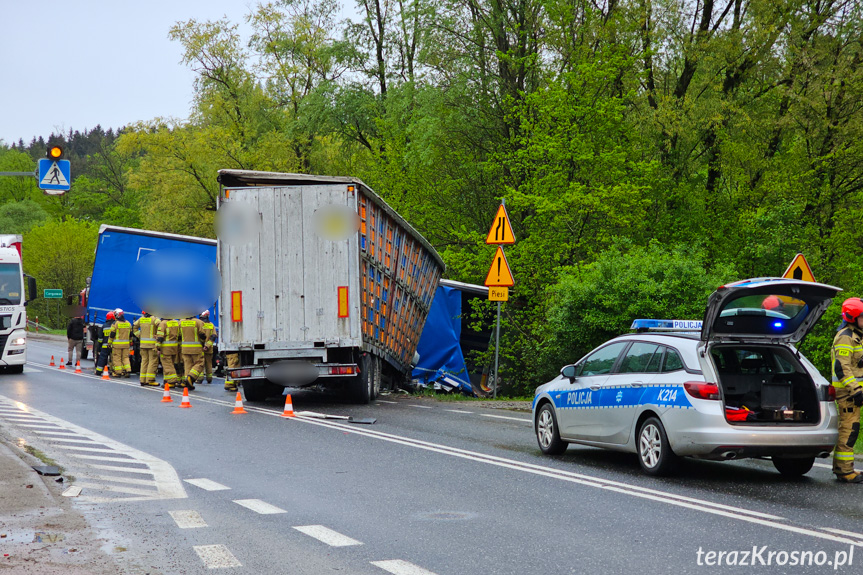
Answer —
38 327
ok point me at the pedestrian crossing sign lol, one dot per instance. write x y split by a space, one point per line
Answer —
55 176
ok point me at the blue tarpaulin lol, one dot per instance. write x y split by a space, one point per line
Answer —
441 357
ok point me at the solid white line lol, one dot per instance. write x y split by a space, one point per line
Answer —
259 506
459 411
840 532
207 484
216 556
188 519
521 419
399 567
328 536
420 406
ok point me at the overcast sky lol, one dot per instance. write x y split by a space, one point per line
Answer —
74 64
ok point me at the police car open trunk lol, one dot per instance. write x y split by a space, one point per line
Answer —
322 283
750 328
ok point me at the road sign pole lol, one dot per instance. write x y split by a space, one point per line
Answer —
496 351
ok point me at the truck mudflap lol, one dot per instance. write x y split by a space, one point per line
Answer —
294 373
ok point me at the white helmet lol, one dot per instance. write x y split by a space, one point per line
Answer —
118 311
205 312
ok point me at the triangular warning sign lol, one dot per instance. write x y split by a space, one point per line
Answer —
54 176
799 270
499 274
501 229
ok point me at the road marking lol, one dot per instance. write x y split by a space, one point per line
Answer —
29 369
207 484
399 567
459 411
840 532
91 449
36 426
146 493
14 416
121 469
328 536
385 401
521 419
259 506
216 556
129 480
420 406
824 465
188 519
63 433
103 458
68 439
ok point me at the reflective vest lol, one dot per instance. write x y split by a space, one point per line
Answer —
107 327
845 356
192 334
210 334
169 330
145 330
120 333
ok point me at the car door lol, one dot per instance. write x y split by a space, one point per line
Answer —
622 391
578 410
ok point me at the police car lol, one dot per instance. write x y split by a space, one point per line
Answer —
728 387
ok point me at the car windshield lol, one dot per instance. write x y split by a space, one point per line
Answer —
10 284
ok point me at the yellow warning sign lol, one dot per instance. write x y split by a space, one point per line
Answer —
501 230
799 270
498 294
499 274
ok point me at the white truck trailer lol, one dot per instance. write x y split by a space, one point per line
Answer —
306 304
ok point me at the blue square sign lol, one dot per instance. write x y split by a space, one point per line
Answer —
54 175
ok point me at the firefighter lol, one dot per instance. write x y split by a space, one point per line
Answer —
233 360
120 340
847 361
167 345
145 328
104 358
192 348
210 333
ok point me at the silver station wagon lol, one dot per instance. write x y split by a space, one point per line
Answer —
728 387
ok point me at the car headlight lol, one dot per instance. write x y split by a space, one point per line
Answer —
19 341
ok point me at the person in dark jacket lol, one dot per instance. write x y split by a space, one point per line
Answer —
75 336
105 351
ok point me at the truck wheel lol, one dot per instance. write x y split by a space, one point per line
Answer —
15 369
364 384
256 389
376 383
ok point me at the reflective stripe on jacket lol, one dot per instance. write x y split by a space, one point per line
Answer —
145 330
120 333
169 329
845 356
192 332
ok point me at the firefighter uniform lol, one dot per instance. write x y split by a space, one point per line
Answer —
120 340
168 340
145 330
233 360
846 355
210 333
192 348
104 358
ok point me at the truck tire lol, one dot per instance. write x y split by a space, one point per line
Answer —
15 369
257 389
364 384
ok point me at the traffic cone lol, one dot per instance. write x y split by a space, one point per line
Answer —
289 407
105 374
238 405
78 367
166 397
185 402
52 362
62 365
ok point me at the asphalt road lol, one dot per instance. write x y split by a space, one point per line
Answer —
431 487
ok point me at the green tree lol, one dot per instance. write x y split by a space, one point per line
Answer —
20 217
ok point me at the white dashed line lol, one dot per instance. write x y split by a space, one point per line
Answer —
207 484
216 556
259 506
328 536
521 419
459 411
420 406
824 465
188 519
399 567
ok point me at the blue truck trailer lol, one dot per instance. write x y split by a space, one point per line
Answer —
118 274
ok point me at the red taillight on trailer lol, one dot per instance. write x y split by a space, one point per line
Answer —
702 390
236 306
831 392
343 301
241 373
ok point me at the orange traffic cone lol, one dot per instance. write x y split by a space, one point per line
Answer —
52 362
185 402
289 407
62 365
238 405
166 397
105 374
78 367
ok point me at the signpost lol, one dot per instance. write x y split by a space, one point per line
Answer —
52 294
799 270
54 176
499 277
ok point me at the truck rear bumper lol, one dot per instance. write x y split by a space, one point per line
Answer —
294 373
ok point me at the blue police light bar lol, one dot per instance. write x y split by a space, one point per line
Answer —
666 325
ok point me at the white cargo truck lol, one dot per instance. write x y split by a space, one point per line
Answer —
13 313
323 283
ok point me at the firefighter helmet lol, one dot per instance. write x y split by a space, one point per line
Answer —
110 315
851 309
206 312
